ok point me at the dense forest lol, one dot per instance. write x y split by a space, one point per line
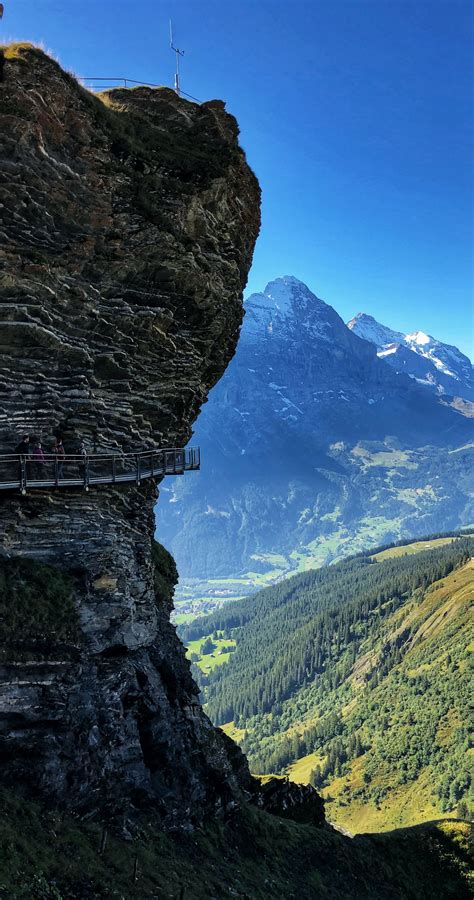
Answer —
330 665
246 610
326 614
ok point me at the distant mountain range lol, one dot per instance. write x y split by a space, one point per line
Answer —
313 447
431 362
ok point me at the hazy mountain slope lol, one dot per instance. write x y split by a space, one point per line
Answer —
433 363
312 448
358 669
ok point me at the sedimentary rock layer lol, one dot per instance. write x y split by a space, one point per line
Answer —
127 231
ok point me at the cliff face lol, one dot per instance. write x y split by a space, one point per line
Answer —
128 229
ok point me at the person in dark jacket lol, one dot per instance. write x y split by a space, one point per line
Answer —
23 448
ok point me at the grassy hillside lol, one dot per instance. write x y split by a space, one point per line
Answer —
414 719
47 855
354 678
414 547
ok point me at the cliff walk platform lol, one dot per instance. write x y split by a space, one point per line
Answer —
85 471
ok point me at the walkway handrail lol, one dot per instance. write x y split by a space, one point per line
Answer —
86 469
119 454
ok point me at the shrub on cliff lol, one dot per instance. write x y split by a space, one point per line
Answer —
37 611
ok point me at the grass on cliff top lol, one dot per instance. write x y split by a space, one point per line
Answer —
47 855
17 49
198 151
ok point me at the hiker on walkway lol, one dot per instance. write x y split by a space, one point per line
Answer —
38 459
23 448
59 453
83 460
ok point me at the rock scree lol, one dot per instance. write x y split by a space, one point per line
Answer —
128 226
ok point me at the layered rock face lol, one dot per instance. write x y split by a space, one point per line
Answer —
128 228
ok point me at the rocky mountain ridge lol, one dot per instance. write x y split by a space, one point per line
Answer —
315 447
431 362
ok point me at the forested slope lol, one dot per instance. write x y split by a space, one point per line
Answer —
359 672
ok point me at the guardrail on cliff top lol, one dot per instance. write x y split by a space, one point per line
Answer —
74 470
99 84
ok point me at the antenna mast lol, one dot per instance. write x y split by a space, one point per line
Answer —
178 54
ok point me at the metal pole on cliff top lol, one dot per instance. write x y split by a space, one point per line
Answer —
178 54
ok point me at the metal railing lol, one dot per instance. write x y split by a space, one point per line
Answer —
74 470
101 83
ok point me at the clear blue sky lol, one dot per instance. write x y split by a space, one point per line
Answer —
356 115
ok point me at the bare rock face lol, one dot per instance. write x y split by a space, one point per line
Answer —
127 231
288 800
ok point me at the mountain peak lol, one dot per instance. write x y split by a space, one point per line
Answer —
420 338
370 329
281 292
287 304
285 292
432 363
284 282
361 317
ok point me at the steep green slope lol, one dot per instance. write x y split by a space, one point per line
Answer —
412 720
354 678
46 855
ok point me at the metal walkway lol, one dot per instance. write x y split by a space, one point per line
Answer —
75 471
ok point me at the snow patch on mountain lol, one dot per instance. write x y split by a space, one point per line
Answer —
418 337
392 348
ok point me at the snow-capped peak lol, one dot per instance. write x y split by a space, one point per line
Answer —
283 286
286 304
420 338
278 295
445 367
368 328
283 294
